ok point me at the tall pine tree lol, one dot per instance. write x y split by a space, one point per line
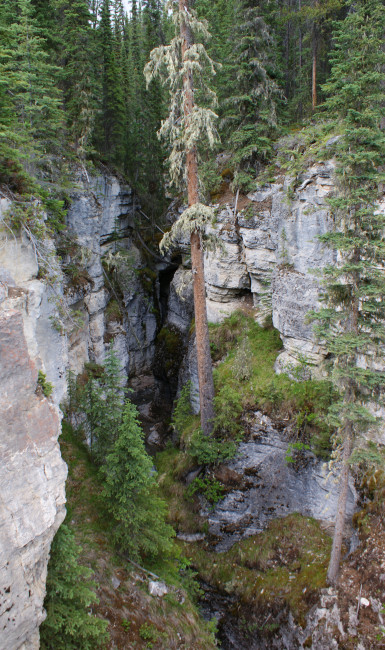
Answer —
352 322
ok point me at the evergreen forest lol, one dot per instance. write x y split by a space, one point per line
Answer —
201 107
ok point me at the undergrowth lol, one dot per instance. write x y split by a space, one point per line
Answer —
136 619
245 381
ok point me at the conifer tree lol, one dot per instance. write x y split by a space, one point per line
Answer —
251 115
130 493
186 63
352 321
102 402
111 123
32 120
69 624
76 46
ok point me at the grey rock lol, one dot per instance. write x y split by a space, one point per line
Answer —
191 538
32 477
271 487
157 588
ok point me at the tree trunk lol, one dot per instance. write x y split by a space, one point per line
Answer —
314 75
205 371
315 51
335 555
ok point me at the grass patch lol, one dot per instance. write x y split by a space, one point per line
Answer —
245 380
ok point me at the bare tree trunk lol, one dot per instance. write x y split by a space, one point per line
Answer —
315 52
314 75
335 555
205 372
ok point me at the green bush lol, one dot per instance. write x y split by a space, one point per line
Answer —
46 386
182 413
210 487
207 451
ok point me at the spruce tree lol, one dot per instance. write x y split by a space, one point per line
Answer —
251 115
76 46
352 321
32 119
130 494
184 65
110 130
102 402
69 624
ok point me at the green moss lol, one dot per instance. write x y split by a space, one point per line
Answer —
113 312
285 566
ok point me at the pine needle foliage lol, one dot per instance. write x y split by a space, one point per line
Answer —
352 322
250 114
102 402
130 493
31 118
69 624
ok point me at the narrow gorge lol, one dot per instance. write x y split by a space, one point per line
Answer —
124 294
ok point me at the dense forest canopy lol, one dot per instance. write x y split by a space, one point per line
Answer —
71 82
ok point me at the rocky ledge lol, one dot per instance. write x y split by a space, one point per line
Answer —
263 486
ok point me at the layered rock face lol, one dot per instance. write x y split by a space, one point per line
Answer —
271 251
32 472
113 270
265 486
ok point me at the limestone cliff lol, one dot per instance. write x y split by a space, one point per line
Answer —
32 472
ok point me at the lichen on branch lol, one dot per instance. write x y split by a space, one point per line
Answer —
194 218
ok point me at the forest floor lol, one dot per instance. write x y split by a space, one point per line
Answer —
361 590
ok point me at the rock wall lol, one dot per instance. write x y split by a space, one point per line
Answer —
100 264
262 485
32 472
102 220
271 250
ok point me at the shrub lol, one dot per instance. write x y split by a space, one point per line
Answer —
45 386
207 451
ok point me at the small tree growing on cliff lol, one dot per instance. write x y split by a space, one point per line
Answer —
182 65
352 321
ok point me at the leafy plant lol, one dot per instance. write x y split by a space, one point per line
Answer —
210 487
182 412
126 624
209 451
46 386
295 450
148 632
